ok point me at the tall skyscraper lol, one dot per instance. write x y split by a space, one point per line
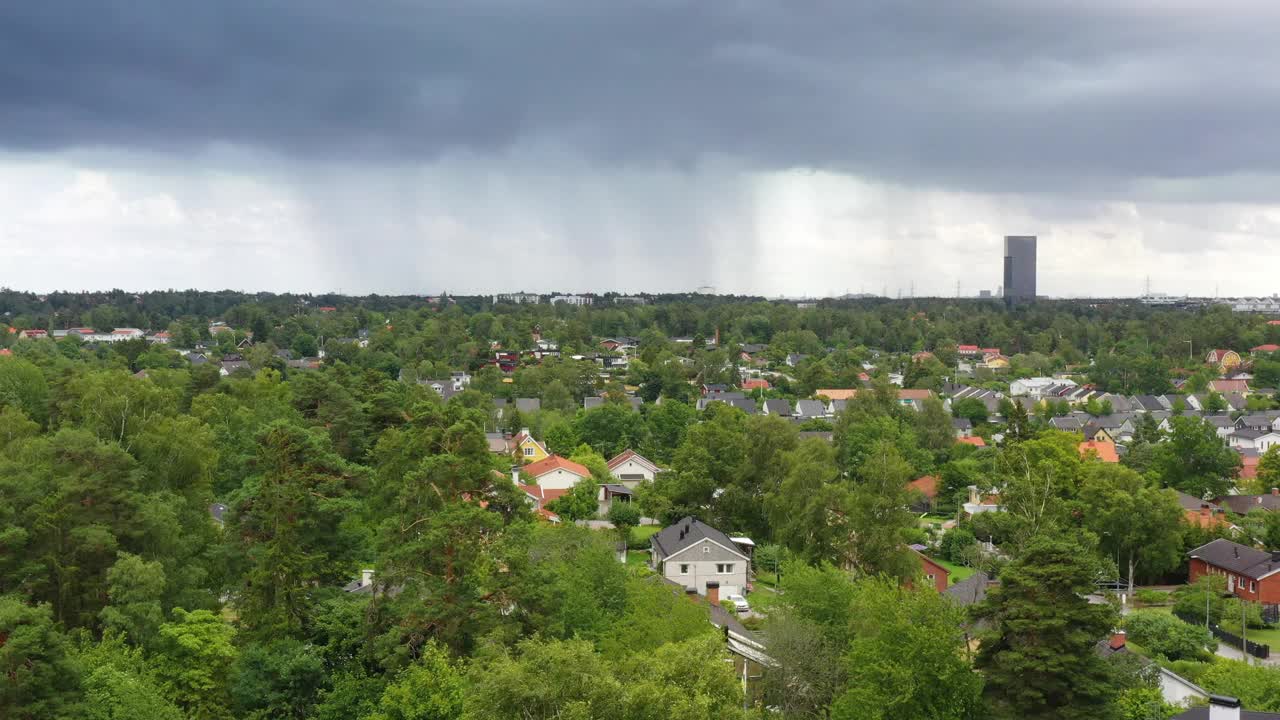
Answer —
1019 268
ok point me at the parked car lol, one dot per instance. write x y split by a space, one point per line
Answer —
739 603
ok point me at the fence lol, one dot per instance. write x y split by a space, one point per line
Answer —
1255 649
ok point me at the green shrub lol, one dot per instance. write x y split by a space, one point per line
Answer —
1166 635
1152 597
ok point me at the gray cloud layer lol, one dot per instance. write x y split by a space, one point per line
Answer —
991 94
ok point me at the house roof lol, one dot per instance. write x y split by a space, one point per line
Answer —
1268 347
914 394
528 405
1202 713
630 454
541 494
961 424
1229 386
970 591
926 484
1239 559
810 408
976 441
1105 451
553 463
1191 502
836 393
1242 504
755 384
1218 354
1068 422
777 406
687 532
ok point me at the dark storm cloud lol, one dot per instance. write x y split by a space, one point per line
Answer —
1012 95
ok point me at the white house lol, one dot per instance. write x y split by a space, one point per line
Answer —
1254 439
631 468
556 473
692 553
571 300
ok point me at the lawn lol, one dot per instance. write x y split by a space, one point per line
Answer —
1270 636
762 601
638 557
640 534
957 572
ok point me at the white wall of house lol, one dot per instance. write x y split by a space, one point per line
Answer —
706 560
558 479
631 473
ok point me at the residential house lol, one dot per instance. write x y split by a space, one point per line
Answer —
1174 689
777 406
556 473
989 398
539 497
33 334
727 397
746 405
1202 513
234 364
968 351
835 393
754 384
1249 459
1074 422
1251 574
794 359
963 427
1266 349
1260 440
980 501
608 494
810 409
1242 504
974 440
445 388
499 443
1225 387
934 574
579 300
631 468
1262 422
1223 360
529 449
161 338
692 553
1036 386
994 362
925 491
1104 451
528 405
914 399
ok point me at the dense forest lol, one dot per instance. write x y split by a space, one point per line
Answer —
122 595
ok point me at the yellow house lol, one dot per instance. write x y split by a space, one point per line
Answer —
1224 359
996 362
528 449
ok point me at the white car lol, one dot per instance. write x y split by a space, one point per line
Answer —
739 603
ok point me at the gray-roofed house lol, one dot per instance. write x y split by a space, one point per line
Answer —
692 553
528 405
1251 574
231 366
810 409
777 406
1259 421
1069 423
1242 504
746 405
445 388
963 427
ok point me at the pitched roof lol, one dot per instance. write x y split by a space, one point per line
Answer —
1239 559
970 591
836 393
1105 451
1218 354
630 454
1268 347
976 441
926 484
552 463
777 406
686 532
1242 504
914 394
1229 386
810 408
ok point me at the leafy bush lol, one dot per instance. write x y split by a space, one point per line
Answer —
1166 635
1190 600
955 543
1147 596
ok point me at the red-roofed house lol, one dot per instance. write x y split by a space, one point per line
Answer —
975 441
33 334
631 468
927 489
538 497
556 473
1229 386
755 384
1224 360
968 350
327 308
1273 322
1263 349
1104 451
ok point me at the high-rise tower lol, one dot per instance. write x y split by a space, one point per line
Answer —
1019 268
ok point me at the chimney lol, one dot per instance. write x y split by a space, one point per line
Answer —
515 474
1117 639
713 592
366 577
1222 707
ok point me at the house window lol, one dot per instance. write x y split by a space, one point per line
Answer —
1253 587
684 568
706 549
724 568
929 577
528 452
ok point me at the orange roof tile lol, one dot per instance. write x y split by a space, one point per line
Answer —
555 462
976 441
927 485
836 393
1105 451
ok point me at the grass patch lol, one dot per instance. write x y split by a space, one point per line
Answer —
640 535
956 573
1269 636
638 557
762 601
767 578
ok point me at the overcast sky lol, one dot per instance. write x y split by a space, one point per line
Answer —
758 147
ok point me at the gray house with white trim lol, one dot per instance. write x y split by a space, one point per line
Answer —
691 553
